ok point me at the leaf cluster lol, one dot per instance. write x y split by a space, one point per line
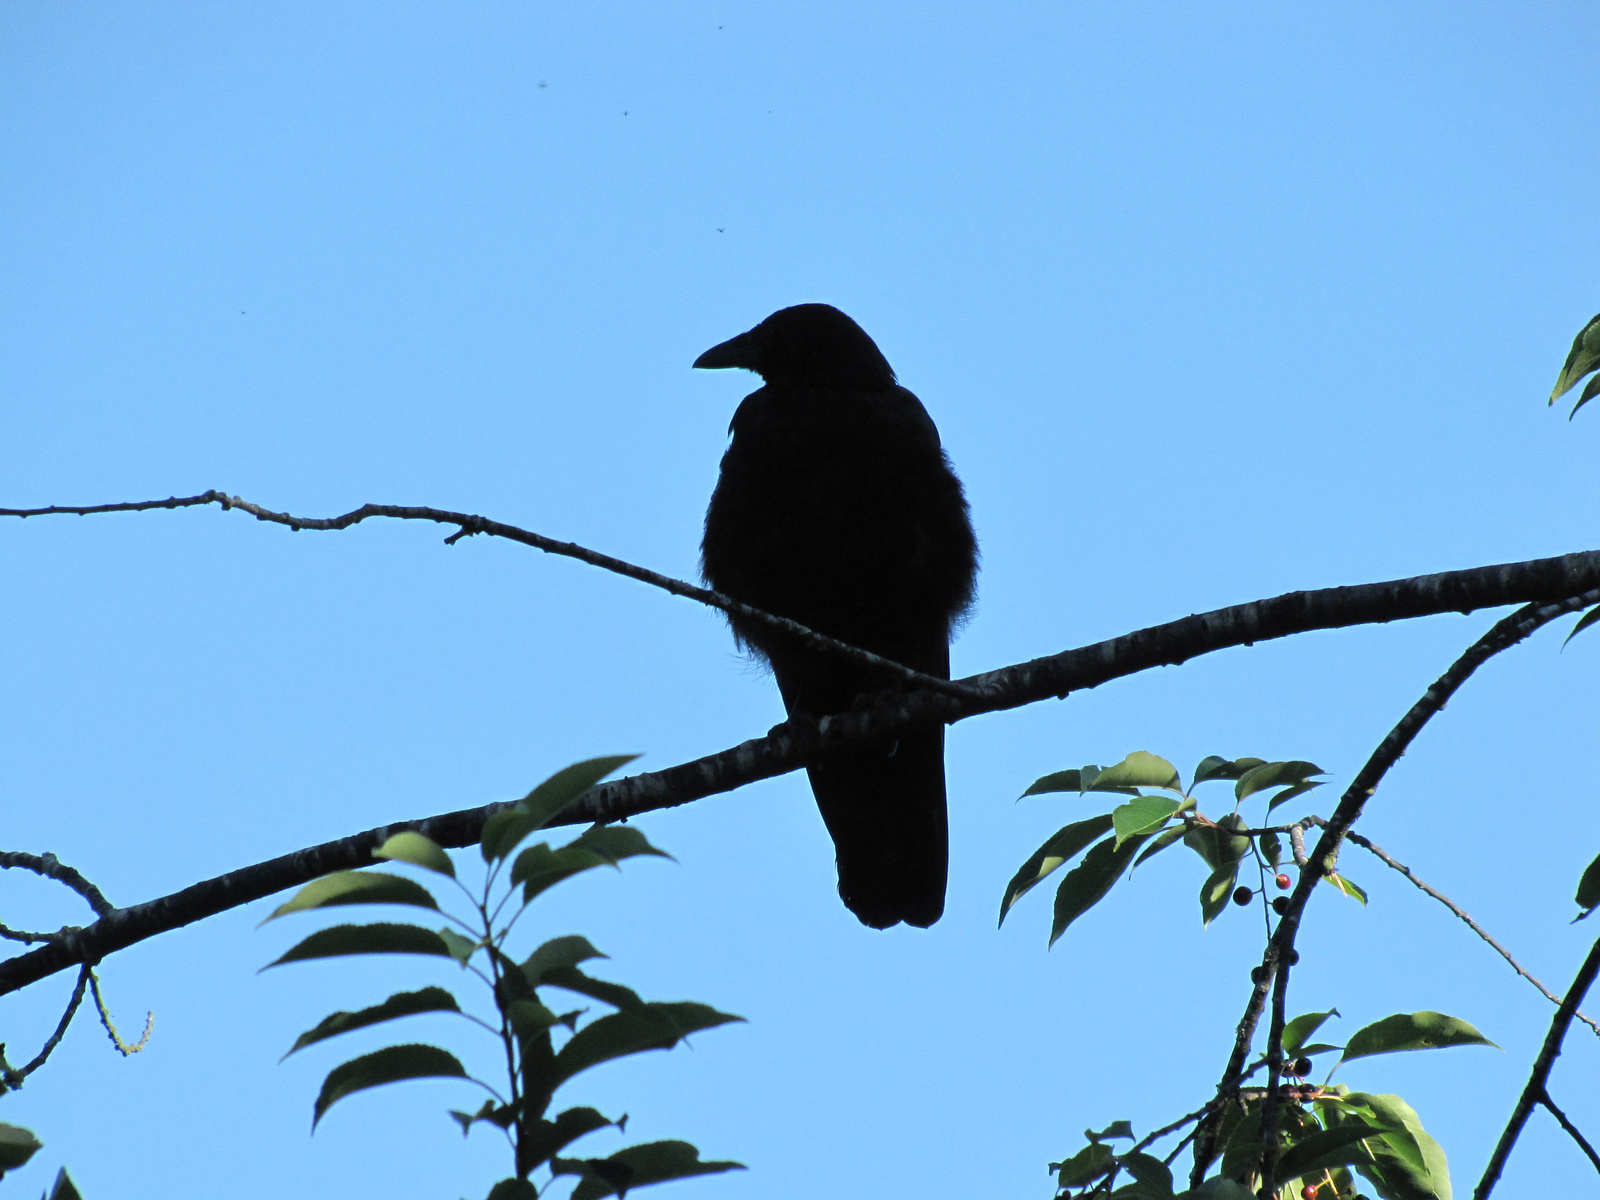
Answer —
546 1044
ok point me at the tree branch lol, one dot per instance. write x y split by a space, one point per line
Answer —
1572 1130
1539 1080
469 523
787 748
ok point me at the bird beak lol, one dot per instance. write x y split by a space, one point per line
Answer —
741 351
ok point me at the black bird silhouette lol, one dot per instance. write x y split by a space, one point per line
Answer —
836 507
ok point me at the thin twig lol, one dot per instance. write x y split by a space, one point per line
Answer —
123 1048
1537 1088
469 524
1572 1130
54 1040
1388 860
51 867
1273 973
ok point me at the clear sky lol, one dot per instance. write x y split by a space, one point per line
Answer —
1210 302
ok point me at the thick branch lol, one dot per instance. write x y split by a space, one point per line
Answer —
787 748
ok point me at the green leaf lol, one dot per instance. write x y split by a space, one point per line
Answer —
381 938
64 1188
1117 1129
1348 887
566 951
616 842
419 850
1271 848
1296 1031
504 831
1216 891
401 1004
1274 774
1159 843
540 868
529 1018
1588 618
458 946
1214 766
1217 845
1139 769
1142 814
17 1146
1325 1148
1062 846
1289 793
636 1166
1589 887
1152 1175
1088 882
574 980
356 887
1412 1031
1406 1164
654 1026
548 1137
1072 781
1087 1165
1590 391
1218 1188
1581 359
513 1189
389 1065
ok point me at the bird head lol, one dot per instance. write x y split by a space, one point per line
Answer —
813 345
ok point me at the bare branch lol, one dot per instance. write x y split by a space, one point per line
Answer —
468 524
1384 857
1538 1082
52 867
1572 1130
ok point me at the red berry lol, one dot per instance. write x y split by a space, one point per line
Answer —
1283 882
1309 1192
1241 896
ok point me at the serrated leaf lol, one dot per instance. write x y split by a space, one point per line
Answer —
1581 359
1271 848
653 1026
539 868
1217 844
1289 793
389 1065
636 1166
381 938
1139 769
1117 1129
616 842
504 831
1216 891
1407 1164
529 1018
419 850
1218 1188
1274 774
1348 887
1088 882
17 1146
356 887
1087 1165
1061 847
1299 1029
549 1137
574 980
1590 391
1142 814
1412 1031
1214 766
458 946
401 1004
1149 1172
566 951
1071 781
1588 894
1326 1148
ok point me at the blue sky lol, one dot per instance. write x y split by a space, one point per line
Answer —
1210 302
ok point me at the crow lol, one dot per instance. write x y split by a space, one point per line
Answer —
837 507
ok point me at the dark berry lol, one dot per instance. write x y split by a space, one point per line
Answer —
1280 905
1292 957
1259 975
1301 1067
1241 896
1282 881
